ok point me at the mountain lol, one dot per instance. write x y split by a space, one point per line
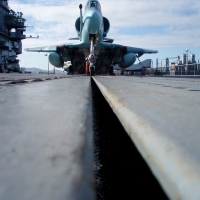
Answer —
37 70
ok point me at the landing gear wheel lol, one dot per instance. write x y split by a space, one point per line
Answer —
122 72
91 71
70 72
111 70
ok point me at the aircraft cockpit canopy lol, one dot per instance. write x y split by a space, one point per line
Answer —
93 4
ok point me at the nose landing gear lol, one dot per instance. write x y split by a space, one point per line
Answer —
92 58
70 70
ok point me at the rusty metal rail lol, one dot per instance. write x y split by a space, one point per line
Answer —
163 123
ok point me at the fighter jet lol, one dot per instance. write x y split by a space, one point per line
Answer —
93 50
139 67
136 67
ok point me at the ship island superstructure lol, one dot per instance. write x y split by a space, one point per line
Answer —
11 33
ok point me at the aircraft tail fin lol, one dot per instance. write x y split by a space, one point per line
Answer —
145 63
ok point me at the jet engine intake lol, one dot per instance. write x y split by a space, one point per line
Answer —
128 60
77 25
106 26
55 60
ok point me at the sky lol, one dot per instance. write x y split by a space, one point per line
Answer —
168 26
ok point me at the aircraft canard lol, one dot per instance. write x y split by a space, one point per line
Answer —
94 49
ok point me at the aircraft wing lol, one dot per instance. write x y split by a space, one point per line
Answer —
140 51
127 49
77 51
42 49
54 48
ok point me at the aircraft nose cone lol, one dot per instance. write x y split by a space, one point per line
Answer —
93 22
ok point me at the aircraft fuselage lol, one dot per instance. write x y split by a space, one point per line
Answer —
92 25
92 22
93 48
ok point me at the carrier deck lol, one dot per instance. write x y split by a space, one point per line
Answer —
46 130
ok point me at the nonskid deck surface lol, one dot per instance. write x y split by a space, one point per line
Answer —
16 78
46 145
46 133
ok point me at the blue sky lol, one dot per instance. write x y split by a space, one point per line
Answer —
167 26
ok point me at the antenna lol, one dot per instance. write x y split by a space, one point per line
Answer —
31 37
81 18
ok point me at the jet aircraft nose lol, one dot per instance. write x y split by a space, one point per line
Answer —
93 21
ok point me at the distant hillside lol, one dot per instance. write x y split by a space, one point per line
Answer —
37 70
33 69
